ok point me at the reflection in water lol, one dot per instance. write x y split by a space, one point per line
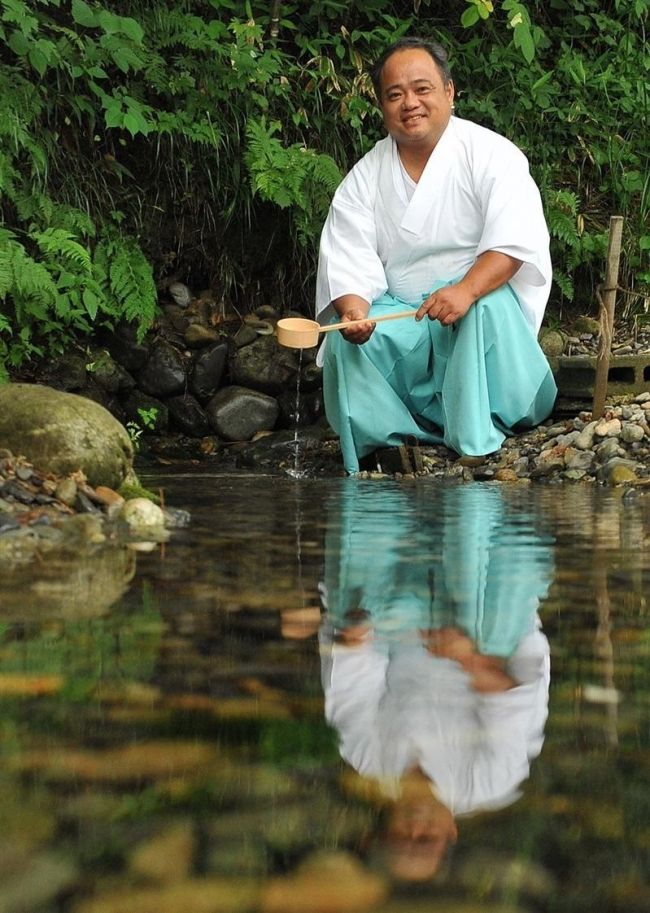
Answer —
434 666
170 751
67 586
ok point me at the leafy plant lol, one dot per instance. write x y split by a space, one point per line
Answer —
136 430
140 141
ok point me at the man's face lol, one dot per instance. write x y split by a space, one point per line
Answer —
415 102
417 835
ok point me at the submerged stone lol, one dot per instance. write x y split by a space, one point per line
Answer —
327 882
196 895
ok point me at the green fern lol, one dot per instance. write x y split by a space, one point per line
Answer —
61 245
24 279
291 176
126 280
565 284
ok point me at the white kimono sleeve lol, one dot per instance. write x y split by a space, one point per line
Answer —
348 261
514 224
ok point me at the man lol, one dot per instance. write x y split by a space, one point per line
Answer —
442 216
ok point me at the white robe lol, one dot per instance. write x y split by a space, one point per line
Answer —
397 709
475 195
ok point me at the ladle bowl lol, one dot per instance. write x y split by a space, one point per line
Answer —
301 333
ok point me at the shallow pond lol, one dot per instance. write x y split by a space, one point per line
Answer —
334 696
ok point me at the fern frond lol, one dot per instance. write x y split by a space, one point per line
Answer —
6 273
59 243
125 278
565 284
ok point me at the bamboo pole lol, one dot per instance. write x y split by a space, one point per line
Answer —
607 302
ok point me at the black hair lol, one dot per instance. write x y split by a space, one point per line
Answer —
435 50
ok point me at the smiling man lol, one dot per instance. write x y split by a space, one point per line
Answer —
443 216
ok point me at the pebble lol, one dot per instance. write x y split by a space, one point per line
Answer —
40 513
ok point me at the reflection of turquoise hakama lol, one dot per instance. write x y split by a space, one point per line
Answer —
462 559
467 386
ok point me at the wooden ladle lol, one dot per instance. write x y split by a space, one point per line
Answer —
301 333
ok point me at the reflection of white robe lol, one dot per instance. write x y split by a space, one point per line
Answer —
474 195
398 708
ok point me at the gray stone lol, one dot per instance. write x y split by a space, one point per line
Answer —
188 415
611 428
237 413
574 475
631 433
520 465
618 471
67 372
124 346
164 372
208 370
568 440
66 491
176 317
181 293
62 432
579 459
585 326
264 365
244 336
608 449
197 336
556 429
109 375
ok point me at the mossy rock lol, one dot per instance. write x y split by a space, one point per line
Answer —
62 432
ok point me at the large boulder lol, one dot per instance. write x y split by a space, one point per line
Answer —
62 432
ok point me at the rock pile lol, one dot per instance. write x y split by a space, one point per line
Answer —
581 337
202 371
614 450
41 512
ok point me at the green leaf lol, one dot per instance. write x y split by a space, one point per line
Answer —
18 44
114 116
91 303
38 60
524 41
470 17
132 29
83 14
541 81
135 124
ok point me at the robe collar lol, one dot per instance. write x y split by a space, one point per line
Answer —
418 210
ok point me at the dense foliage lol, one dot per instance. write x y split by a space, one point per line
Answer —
203 141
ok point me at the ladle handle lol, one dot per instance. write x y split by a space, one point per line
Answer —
353 323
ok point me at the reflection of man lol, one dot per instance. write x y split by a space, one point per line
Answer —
442 216
434 667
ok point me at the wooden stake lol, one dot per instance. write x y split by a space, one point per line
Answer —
607 302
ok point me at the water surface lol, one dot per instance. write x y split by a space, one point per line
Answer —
335 695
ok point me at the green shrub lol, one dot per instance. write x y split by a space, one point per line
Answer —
142 140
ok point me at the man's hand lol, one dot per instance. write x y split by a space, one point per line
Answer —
352 307
360 333
448 304
451 302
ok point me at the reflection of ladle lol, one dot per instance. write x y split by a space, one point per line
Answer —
300 333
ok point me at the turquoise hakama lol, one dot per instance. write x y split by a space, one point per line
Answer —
467 386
